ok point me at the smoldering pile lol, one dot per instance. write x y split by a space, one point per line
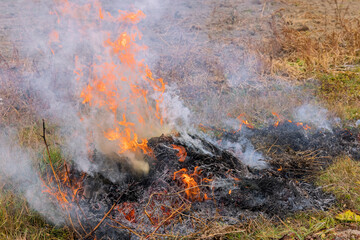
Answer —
193 181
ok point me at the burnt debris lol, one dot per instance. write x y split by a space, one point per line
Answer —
210 183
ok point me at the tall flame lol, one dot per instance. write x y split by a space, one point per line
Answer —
124 73
122 97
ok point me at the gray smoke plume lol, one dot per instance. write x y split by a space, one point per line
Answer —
16 167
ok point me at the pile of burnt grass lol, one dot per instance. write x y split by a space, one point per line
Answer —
235 192
298 153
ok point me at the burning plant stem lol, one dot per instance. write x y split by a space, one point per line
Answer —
55 175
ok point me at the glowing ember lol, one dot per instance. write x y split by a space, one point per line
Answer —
299 124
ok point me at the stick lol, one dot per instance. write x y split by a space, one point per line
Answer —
55 175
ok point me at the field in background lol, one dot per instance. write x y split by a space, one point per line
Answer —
252 57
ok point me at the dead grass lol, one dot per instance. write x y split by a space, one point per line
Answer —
18 221
17 104
300 52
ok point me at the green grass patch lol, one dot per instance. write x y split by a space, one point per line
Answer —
342 93
343 180
298 226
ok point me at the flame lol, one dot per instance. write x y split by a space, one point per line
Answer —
299 124
59 187
181 152
119 83
243 122
192 189
276 124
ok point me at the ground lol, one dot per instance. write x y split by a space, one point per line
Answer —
226 58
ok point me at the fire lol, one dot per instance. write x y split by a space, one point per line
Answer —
119 85
305 127
181 152
299 124
192 189
58 185
278 119
125 73
243 122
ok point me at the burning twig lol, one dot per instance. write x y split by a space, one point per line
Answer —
56 177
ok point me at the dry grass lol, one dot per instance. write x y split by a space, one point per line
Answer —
301 53
17 104
18 221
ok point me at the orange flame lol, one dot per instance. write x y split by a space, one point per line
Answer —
181 152
192 189
243 122
276 124
121 84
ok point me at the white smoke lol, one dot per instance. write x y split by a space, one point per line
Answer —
16 167
65 41
314 115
